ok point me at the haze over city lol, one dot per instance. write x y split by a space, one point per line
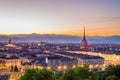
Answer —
67 17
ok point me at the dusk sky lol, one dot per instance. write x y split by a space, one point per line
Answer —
100 17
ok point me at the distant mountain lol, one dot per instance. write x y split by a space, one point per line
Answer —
52 38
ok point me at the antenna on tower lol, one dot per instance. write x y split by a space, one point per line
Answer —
84 33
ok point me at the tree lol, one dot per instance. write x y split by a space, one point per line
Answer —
29 74
101 75
38 74
113 70
79 73
11 68
69 75
15 68
113 77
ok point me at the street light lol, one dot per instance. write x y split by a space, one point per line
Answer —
73 66
91 66
48 67
59 68
64 67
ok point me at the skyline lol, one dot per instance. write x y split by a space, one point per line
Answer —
100 17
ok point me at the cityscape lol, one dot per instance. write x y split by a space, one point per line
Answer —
53 37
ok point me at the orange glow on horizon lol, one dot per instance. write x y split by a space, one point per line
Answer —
90 31
95 33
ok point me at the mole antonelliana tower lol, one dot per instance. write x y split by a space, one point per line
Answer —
84 43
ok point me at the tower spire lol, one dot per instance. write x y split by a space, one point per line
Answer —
84 43
84 34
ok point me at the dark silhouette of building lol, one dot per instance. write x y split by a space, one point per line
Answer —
10 42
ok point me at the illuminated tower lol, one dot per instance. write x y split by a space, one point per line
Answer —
84 43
